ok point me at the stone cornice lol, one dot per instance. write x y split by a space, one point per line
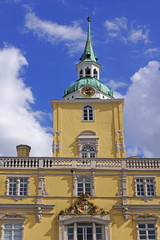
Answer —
25 207
88 101
138 207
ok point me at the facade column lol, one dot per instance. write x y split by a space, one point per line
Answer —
75 231
106 232
94 231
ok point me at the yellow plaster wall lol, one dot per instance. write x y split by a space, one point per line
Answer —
59 186
68 120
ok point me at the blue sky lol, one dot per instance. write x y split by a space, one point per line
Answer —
42 40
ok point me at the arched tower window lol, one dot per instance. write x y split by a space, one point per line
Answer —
87 72
88 152
83 185
81 73
88 144
95 73
88 113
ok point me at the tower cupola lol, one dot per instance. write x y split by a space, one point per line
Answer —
88 66
88 84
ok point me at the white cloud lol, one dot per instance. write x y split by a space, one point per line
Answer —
19 124
139 34
152 52
117 25
115 85
72 36
121 29
142 111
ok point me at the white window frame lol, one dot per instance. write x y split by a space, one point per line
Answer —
88 107
146 219
144 185
87 138
84 183
146 229
18 186
68 220
75 183
84 227
88 153
12 218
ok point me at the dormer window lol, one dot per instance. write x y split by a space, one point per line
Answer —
88 55
81 73
87 72
95 74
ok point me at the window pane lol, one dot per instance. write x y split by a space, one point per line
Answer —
70 233
8 226
150 225
7 235
17 226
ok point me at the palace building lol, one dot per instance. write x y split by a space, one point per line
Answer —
88 189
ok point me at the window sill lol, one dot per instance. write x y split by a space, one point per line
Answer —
88 121
17 197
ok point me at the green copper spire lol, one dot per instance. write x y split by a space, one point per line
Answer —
89 54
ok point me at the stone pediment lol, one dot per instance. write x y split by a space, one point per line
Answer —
83 207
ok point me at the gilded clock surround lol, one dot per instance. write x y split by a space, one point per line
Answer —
88 91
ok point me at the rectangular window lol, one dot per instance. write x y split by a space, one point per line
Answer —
70 233
17 186
146 231
12 231
145 186
98 232
84 231
84 185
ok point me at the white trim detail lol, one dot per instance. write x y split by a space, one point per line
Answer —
144 224
12 219
89 110
145 186
87 138
18 184
75 183
64 221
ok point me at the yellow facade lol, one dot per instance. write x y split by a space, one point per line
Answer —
110 186
88 190
107 124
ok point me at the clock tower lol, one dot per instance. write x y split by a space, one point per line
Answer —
88 120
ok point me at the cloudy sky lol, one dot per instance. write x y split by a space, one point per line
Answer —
40 43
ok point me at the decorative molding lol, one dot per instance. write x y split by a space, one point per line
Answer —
18 183
75 177
56 146
83 207
88 101
25 207
56 132
119 131
126 209
38 212
138 207
100 164
120 146
87 138
146 217
13 216
37 209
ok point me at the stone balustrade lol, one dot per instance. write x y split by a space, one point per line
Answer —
80 163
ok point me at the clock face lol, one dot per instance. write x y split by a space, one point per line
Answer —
88 91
